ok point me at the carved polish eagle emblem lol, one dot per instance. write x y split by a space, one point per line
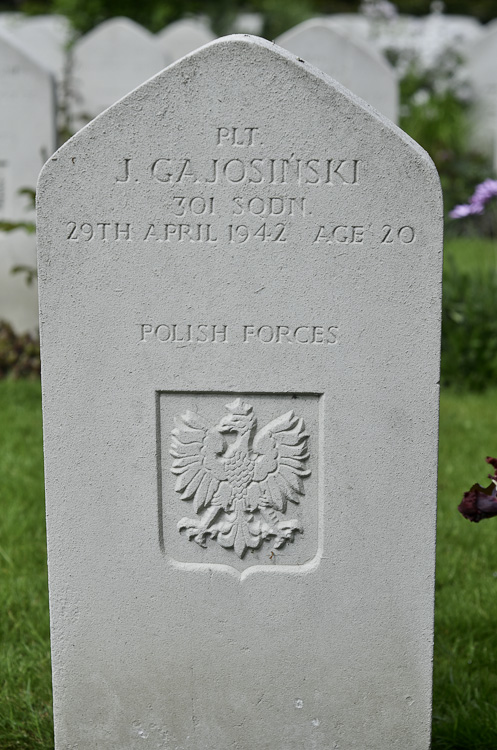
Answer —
240 487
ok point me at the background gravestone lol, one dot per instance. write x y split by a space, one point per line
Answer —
481 65
10 21
426 38
109 62
248 23
182 37
439 33
352 25
46 38
240 318
354 64
27 138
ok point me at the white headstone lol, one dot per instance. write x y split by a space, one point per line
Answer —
354 25
109 62
182 37
433 36
481 57
240 271
427 38
248 23
46 38
354 64
10 21
27 139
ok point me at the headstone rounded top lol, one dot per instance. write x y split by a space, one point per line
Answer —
11 20
16 49
354 63
52 22
119 26
483 40
182 37
234 53
491 25
27 138
325 26
248 23
46 38
354 24
111 60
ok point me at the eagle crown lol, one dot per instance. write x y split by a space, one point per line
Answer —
241 421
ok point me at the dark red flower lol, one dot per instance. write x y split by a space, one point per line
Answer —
481 502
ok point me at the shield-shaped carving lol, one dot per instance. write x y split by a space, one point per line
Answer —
239 479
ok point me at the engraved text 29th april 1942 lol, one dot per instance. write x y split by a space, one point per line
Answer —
246 218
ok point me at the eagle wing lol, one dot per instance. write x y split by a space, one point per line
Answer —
195 448
281 449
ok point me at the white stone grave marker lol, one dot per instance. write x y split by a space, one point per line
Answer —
355 25
482 70
110 61
182 37
10 21
354 64
240 270
248 23
46 39
27 139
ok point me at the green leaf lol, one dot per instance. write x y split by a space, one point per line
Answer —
11 226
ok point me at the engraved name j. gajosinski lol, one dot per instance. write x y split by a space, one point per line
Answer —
240 488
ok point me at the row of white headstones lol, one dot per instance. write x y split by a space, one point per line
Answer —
39 66
119 54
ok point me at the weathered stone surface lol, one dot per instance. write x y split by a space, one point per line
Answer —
355 64
109 62
182 37
241 243
27 139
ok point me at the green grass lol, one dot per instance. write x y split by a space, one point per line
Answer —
471 254
465 675
25 690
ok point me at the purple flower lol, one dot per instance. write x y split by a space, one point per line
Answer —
480 503
466 209
483 193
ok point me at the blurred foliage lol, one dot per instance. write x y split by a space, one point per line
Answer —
29 227
469 328
155 14
435 111
19 353
279 15
11 226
